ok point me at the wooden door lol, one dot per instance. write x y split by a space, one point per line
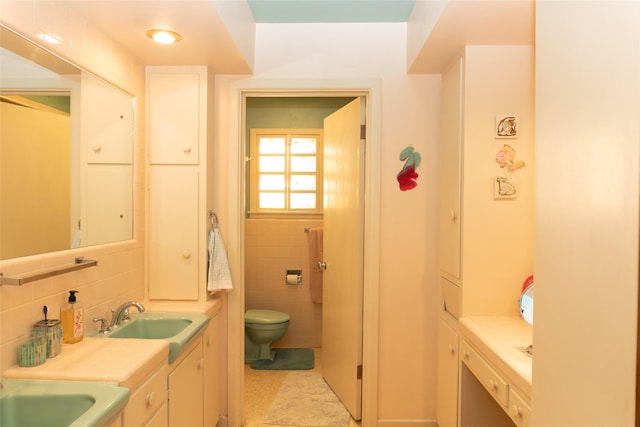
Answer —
343 252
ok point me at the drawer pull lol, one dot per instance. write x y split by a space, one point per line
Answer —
494 385
451 351
517 411
149 400
186 254
186 149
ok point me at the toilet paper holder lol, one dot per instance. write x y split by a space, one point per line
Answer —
293 277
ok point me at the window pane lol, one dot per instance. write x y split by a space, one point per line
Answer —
303 145
272 200
274 145
303 182
303 163
303 201
271 164
271 182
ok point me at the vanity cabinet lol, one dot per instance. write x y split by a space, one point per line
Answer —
179 142
185 383
486 239
499 387
146 403
447 380
211 372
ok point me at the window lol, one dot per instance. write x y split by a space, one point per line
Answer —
286 171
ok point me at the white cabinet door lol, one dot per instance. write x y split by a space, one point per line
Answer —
447 406
211 356
185 391
176 121
450 171
173 229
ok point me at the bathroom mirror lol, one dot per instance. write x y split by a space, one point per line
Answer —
66 154
526 301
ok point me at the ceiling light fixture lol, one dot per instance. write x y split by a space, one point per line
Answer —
164 36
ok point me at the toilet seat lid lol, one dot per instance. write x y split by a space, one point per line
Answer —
265 316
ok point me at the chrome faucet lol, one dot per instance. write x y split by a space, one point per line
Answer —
122 313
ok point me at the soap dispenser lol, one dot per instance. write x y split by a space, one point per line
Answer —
72 321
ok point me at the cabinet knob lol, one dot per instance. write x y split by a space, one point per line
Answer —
186 254
517 411
151 397
494 385
453 214
97 148
186 149
451 349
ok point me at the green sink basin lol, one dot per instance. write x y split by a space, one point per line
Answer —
154 329
176 328
26 403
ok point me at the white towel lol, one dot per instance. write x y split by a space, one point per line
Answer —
219 276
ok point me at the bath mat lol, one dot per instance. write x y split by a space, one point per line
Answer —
287 359
305 399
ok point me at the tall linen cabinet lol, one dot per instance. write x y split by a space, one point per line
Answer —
486 235
179 181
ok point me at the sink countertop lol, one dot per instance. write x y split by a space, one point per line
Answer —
211 307
502 341
122 362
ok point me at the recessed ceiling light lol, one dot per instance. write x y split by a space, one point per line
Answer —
164 36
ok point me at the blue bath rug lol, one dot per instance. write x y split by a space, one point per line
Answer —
287 359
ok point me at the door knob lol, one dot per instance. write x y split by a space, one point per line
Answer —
322 265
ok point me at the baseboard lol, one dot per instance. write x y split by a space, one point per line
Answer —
407 423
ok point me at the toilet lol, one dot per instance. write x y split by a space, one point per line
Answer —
263 328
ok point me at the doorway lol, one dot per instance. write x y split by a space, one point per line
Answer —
238 94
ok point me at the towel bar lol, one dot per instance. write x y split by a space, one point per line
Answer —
79 264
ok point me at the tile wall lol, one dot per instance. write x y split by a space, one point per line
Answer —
271 247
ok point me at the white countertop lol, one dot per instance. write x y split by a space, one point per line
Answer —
125 362
502 341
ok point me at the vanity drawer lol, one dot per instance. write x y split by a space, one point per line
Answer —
519 409
489 378
146 400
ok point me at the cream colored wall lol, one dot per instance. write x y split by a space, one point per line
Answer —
409 224
586 213
119 274
498 80
271 247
